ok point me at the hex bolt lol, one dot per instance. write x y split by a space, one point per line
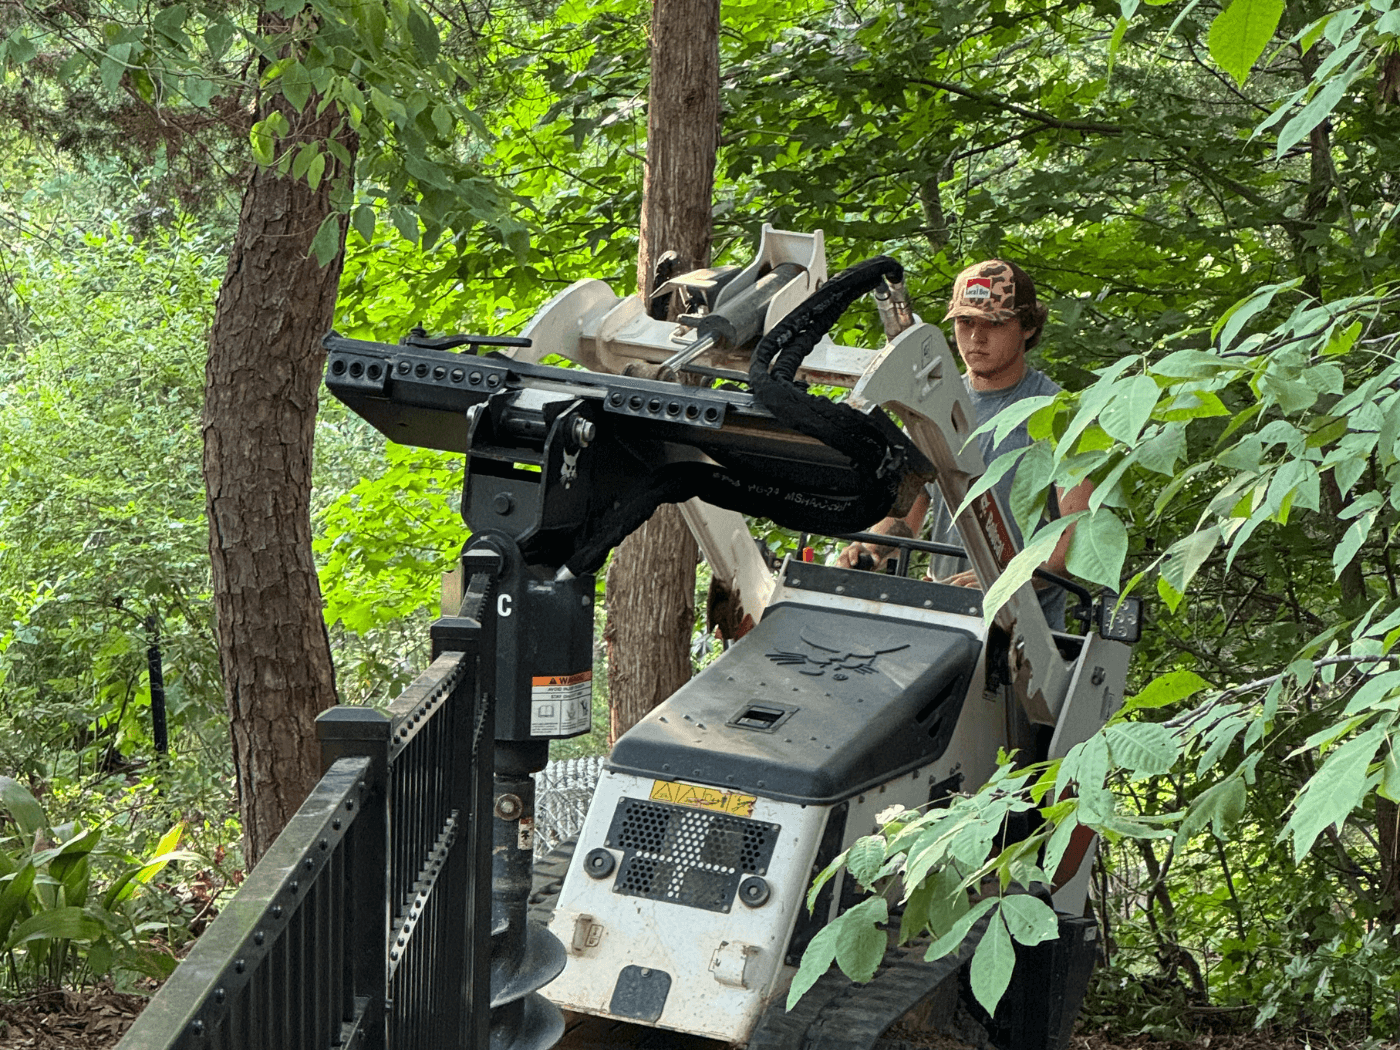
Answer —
503 503
277 911
584 431
259 937
509 807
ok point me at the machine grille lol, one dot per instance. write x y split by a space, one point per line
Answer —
687 856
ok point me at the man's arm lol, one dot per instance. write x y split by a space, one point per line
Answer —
913 522
1076 499
1071 502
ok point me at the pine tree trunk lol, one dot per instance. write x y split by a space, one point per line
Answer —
651 582
261 386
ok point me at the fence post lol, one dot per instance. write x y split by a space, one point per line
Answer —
362 731
473 632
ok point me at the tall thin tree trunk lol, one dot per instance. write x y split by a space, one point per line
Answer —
261 386
651 582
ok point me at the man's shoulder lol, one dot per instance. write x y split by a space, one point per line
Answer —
1037 384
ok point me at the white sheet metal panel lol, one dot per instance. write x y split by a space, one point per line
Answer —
723 967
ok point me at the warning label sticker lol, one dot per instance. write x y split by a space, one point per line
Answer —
702 798
561 704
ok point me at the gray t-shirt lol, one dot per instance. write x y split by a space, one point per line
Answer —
987 404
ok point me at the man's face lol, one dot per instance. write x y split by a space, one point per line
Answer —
993 351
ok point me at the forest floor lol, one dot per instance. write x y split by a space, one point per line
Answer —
96 1019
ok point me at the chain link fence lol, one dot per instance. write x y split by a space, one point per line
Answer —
562 793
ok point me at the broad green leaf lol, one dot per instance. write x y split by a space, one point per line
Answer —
822 879
1314 113
865 857
1020 568
326 244
261 140
67 923
425 34
995 472
1142 748
992 963
816 960
948 901
1239 34
952 940
1097 549
13 893
1351 543
1333 792
295 83
22 806
1169 688
1029 919
860 942
1129 409
362 218
915 918
1185 557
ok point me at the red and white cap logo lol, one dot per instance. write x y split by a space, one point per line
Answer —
978 289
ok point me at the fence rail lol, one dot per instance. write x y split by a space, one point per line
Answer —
366 924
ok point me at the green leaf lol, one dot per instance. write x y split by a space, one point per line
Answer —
821 880
816 960
425 34
992 963
995 472
1314 113
295 83
860 942
1019 570
1240 33
362 218
1351 542
1098 548
1142 748
23 807
1333 792
326 244
67 923
952 940
1130 408
1169 688
1029 919
19 49
13 894
261 139
865 857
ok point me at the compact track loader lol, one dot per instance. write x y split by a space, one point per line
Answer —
681 905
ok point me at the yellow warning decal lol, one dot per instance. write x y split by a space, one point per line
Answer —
562 679
702 798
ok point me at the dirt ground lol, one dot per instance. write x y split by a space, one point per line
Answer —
87 1020
97 1019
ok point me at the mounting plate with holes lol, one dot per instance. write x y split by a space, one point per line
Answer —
670 405
1120 624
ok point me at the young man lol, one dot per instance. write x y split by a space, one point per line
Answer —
996 319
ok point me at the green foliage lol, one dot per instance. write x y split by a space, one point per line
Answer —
68 907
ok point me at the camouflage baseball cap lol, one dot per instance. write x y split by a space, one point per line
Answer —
995 289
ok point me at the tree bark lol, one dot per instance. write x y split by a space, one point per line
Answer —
261 386
651 581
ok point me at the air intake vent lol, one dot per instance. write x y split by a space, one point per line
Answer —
687 856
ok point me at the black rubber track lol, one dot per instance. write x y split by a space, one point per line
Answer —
835 1014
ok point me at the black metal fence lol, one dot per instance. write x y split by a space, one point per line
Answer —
359 927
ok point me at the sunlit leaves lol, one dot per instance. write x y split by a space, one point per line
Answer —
1239 34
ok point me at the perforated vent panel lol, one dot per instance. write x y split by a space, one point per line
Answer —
687 856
